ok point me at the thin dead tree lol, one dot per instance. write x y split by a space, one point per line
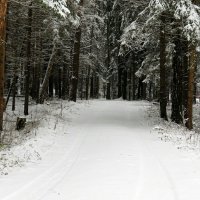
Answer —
43 89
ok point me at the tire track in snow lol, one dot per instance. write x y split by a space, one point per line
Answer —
44 182
65 172
160 165
141 177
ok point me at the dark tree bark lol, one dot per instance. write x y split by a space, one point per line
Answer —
87 84
140 88
12 88
124 86
191 79
14 91
150 91
144 91
96 90
177 89
120 72
51 86
3 13
75 67
108 46
163 79
92 86
76 62
108 91
81 85
185 78
192 66
130 84
28 55
134 83
36 70
59 83
65 82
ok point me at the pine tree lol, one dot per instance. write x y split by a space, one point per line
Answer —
76 59
3 13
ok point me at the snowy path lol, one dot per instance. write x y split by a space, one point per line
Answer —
109 154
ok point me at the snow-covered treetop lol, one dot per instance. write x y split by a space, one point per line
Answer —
187 12
65 8
184 12
180 15
59 6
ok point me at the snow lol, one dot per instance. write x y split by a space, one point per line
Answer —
103 150
59 6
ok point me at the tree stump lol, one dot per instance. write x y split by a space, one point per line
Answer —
20 124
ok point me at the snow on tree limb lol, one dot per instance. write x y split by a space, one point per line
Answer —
59 6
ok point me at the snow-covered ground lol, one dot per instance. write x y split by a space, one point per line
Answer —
176 134
101 150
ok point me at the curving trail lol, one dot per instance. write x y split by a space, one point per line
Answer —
108 155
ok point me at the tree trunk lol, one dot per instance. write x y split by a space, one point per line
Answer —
75 67
14 91
87 84
3 12
44 87
76 62
134 84
108 46
177 86
120 70
140 88
191 78
163 81
65 82
185 78
51 85
124 86
130 84
81 85
59 83
144 91
28 55
96 93
92 86
108 92
36 70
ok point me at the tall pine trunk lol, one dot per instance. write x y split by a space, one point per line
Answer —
28 55
14 90
191 79
75 66
76 62
177 83
3 12
92 86
87 82
163 80
124 85
108 59
120 72
65 82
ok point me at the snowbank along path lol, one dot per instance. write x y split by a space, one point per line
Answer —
107 154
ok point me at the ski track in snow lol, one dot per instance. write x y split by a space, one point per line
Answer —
108 155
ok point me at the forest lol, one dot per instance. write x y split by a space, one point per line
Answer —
99 99
134 50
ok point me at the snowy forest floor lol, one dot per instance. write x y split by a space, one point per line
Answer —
168 131
99 150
